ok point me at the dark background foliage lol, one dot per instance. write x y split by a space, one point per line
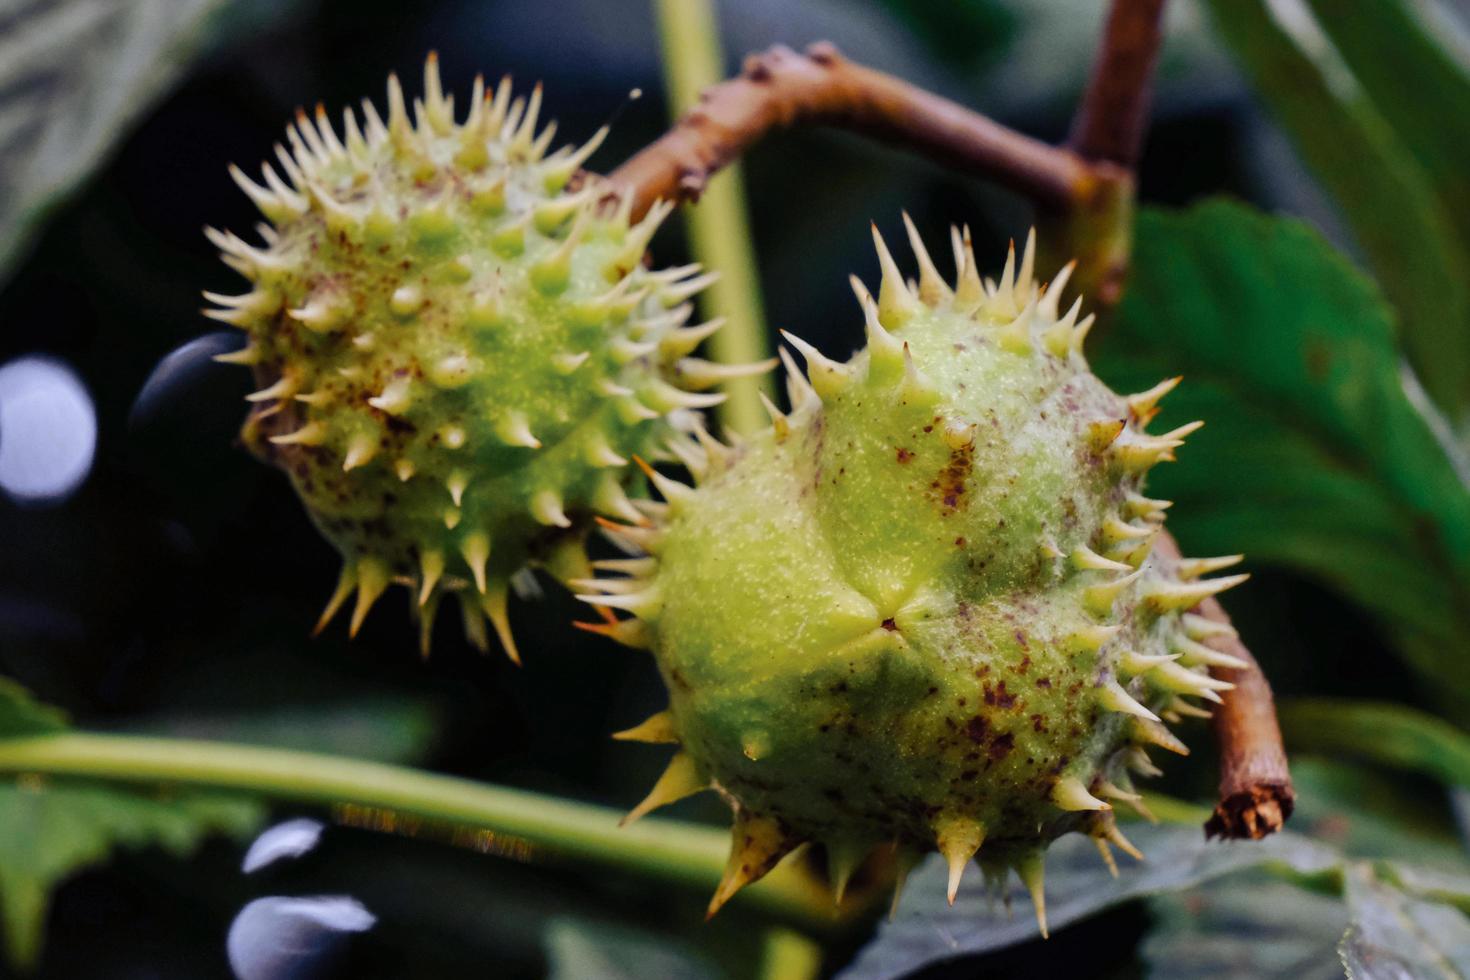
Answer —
172 593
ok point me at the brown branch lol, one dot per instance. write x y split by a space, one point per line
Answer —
1108 132
1089 186
1113 117
1256 794
780 88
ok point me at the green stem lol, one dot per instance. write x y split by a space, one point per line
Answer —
719 228
573 832
789 955
1169 810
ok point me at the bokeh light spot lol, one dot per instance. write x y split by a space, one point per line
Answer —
48 430
290 839
279 938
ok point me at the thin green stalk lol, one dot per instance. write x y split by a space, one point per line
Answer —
789 955
512 821
719 229
1170 810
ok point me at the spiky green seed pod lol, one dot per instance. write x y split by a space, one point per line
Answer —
456 355
924 609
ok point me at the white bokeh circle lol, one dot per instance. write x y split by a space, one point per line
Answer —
48 430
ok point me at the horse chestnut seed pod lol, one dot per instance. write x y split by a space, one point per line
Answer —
457 353
923 609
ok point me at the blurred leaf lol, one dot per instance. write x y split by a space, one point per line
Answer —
1252 926
1397 936
1385 733
927 930
578 948
1314 455
1368 813
74 75
21 714
966 33
1387 196
1460 803
55 830
400 732
1025 61
1246 926
1438 883
1411 77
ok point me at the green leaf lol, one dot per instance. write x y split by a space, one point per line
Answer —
1314 454
1460 804
21 714
1386 194
927 930
1389 734
77 74
1394 935
1366 812
1252 926
1438 883
1411 77
577 948
53 830
1247 925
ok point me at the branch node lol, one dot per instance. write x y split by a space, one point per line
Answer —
823 53
692 185
754 68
